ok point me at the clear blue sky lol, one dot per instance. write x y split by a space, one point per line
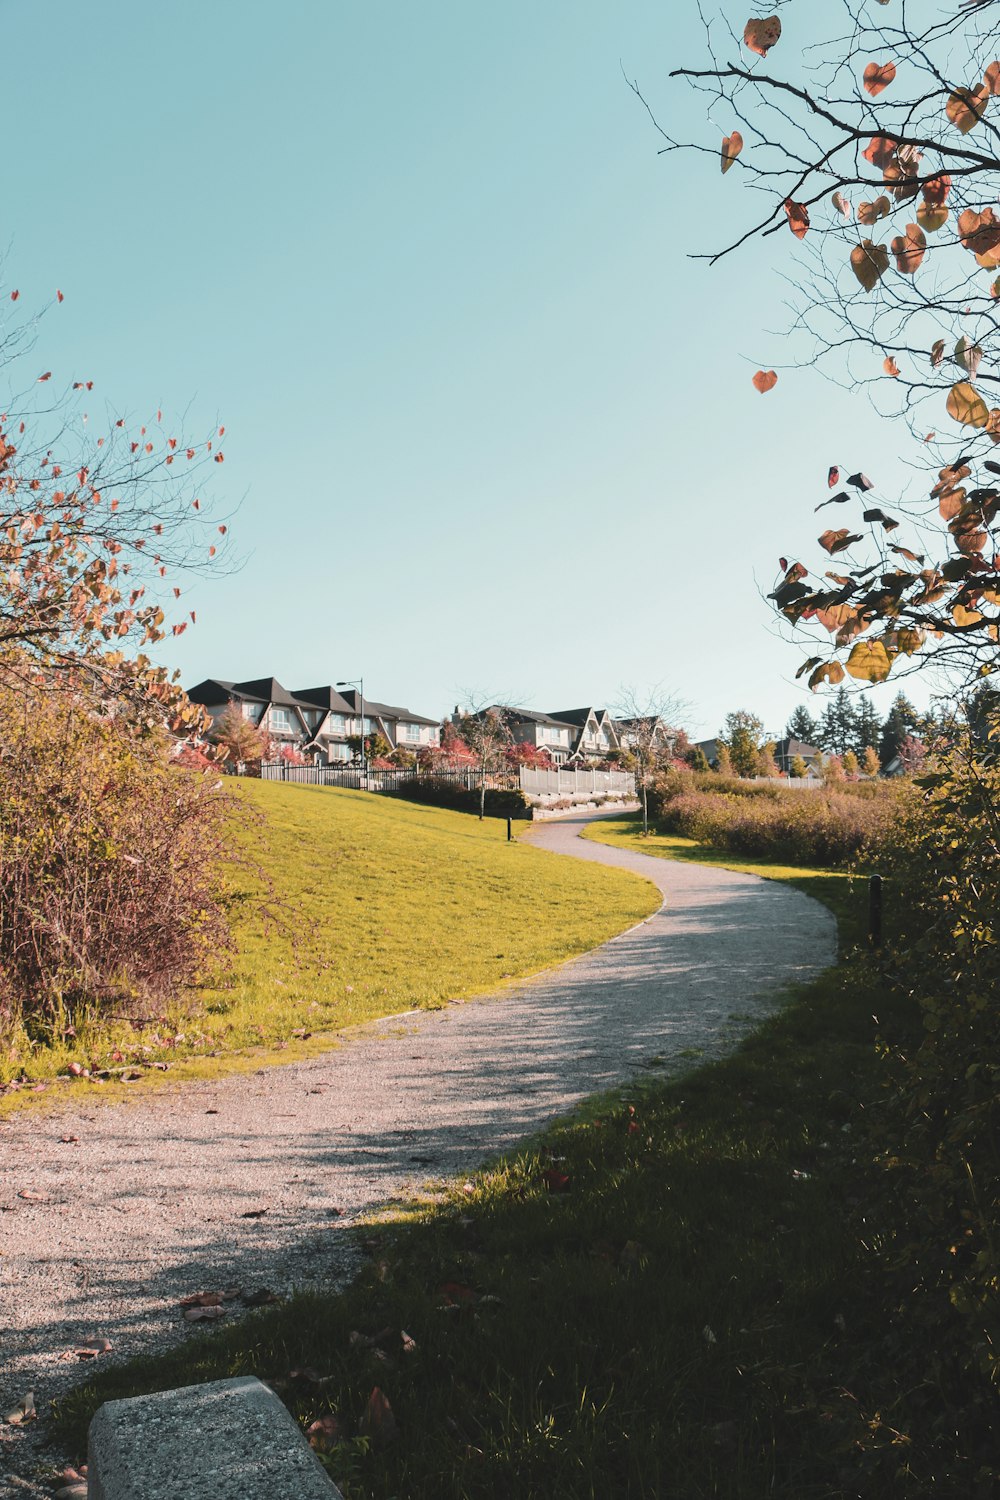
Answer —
488 426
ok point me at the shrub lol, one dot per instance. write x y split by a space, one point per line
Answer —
109 863
828 827
442 791
943 1120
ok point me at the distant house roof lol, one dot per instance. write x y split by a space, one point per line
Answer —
791 748
385 710
529 716
578 716
325 697
267 690
257 690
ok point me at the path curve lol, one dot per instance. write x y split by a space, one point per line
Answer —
158 1198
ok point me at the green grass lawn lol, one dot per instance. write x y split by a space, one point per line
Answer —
674 1294
382 906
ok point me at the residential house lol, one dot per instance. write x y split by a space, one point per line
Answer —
332 721
403 729
263 701
317 721
786 750
596 732
543 731
648 730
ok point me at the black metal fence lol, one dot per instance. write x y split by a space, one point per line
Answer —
378 780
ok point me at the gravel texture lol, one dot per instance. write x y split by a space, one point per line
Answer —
247 1182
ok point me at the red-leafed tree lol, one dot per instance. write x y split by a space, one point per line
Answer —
535 757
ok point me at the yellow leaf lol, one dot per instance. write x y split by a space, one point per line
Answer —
931 216
963 616
869 661
966 405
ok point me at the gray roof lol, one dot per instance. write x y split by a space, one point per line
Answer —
325 697
529 716
385 710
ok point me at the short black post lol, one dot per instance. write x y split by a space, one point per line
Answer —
875 911
510 830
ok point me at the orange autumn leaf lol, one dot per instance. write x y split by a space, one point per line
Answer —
936 189
880 151
732 145
909 249
878 76
965 107
798 218
869 262
760 34
765 380
890 366
991 78
870 213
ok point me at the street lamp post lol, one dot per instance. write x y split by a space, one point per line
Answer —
359 683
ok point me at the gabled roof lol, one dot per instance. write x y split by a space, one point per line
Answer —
267 690
577 716
213 690
325 697
792 748
385 710
529 716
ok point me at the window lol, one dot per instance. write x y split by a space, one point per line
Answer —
249 711
337 724
411 731
281 720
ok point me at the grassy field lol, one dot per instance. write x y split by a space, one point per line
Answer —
382 906
673 1295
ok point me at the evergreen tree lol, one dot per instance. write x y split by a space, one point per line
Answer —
802 725
867 726
838 725
742 733
766 763
900 722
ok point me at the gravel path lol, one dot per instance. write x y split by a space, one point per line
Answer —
235 1183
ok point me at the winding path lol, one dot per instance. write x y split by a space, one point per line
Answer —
235 1182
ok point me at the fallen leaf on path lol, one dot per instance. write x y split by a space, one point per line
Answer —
202 1299
204 1314
91 1348
254 1213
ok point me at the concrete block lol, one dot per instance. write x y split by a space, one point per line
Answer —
225 1440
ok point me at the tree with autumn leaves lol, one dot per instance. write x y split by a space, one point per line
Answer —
110 853
878 151
95 529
